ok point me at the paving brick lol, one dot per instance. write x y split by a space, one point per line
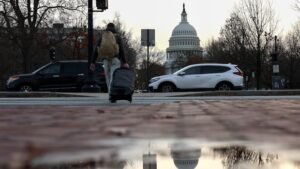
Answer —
69 128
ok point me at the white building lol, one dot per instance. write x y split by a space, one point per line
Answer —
183 43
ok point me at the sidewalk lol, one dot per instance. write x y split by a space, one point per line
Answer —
4 94
28 132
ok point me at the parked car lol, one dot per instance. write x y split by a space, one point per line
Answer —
57 76
206 76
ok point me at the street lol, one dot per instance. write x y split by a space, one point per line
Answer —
138 99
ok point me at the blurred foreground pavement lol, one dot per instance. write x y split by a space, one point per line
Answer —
37 130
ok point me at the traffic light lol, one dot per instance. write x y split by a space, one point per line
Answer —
102 4
52 54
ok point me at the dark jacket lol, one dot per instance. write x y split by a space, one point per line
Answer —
121 55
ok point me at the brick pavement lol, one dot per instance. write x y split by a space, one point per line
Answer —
40 129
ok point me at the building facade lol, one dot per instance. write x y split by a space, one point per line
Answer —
183 43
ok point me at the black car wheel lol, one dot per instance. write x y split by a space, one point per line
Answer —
26 88
224 86
167 87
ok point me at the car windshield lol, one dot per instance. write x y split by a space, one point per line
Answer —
178 71
37 70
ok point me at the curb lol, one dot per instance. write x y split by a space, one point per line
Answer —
36 94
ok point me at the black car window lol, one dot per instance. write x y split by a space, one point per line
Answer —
74 68
192 70
51 69
214 69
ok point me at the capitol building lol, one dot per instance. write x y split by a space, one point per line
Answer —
184 43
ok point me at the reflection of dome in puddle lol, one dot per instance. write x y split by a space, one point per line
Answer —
185 157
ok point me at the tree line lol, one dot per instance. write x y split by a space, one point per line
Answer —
248 40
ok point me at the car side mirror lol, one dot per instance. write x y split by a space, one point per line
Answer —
181 74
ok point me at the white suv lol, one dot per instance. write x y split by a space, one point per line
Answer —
200 76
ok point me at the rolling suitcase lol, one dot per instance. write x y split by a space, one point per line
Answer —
122 85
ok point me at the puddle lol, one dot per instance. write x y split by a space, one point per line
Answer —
173 154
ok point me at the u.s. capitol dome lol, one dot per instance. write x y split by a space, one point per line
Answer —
183 43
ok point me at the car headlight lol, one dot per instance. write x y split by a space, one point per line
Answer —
12 78
154 80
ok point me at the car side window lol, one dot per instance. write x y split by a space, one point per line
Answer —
74 68
213 69
52 69
222 69
192 71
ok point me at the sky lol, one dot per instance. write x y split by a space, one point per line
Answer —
207 16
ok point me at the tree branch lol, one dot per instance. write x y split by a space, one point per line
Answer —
48 8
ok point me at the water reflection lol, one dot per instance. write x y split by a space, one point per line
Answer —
235 155
185 156
178 155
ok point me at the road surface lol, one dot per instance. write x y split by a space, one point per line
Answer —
144 99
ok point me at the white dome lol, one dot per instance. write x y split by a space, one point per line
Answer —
184 36
184 29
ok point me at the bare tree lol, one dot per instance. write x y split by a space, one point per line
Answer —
292 56
297 5
23 20
235 38
260 23
232 46
156 67
155 56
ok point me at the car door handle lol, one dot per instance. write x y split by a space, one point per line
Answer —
80 74
55 76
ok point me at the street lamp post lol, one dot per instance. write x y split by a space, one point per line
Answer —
275 59
148 39
276 79
90 83
90 32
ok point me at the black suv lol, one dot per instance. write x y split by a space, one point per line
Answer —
57 76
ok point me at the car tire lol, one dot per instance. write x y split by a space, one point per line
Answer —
224 86
25 88
167 87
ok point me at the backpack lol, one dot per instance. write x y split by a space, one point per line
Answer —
108 48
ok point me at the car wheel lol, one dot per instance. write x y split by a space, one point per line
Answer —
26 88
167 87
224 86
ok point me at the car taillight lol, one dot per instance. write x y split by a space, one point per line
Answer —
239 72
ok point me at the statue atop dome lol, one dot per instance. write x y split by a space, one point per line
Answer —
183 14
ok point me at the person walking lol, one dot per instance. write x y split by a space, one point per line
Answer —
110 65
